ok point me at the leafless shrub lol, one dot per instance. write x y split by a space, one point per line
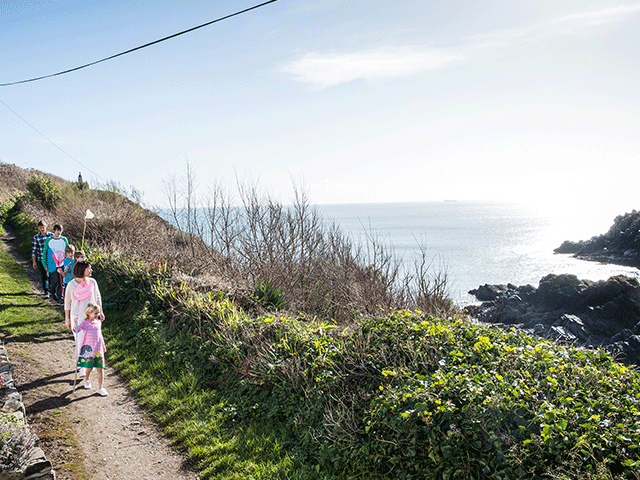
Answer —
13 179
322 271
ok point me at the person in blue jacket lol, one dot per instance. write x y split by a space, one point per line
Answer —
53 255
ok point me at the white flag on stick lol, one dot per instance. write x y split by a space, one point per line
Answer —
87 215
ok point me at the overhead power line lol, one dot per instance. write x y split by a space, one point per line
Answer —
51 141
139 47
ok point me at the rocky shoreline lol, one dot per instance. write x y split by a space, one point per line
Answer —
564 308
602 314
620 245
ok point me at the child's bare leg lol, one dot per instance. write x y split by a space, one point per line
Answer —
87 372
100 373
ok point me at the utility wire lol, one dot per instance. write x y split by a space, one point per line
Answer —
51 141
137 48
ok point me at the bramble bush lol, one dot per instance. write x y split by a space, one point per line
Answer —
404 396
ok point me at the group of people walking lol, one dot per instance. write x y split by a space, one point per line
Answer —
66 279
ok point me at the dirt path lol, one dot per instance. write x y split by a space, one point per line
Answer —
84 435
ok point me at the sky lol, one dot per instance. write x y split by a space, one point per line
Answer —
354 101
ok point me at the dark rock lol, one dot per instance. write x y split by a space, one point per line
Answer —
557 291
561 335
487 292
574 325
621 336
620 245
569 310
570 247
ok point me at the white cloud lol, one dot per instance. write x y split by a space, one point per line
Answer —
389 62
325 70
598 17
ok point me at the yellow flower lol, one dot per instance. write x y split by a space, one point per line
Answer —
96 354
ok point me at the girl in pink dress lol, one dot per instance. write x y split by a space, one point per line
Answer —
91 353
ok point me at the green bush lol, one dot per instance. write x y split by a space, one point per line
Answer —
7 205
269 296
126 281
405 396
400 396
44 190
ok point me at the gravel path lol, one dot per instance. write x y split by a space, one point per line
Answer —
84 435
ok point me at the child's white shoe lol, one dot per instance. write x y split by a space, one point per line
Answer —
102 392
87 384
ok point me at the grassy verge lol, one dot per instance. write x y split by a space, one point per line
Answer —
24 316
198 418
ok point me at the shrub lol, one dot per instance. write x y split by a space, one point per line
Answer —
269 296
7 205
404 396
44 190
25 228
17 444
321 271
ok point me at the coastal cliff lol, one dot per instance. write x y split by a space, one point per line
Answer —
620 245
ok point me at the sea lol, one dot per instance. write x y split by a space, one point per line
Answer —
482 242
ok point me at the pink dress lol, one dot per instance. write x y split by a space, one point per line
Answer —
91 353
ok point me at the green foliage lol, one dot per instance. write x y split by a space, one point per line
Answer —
269 296
44 190
7 205
81 184
25 228
403 396
128 281
24 316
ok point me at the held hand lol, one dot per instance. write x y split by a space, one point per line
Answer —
67 323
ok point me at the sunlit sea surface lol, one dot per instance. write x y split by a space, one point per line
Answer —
482 242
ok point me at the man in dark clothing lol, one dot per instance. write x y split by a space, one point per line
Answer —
37 245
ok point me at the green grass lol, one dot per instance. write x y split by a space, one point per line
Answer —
196 418
24 316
